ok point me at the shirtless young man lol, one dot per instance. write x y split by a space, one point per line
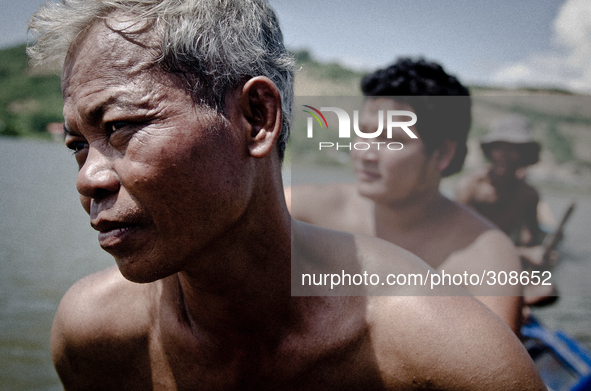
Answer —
178 113
396 196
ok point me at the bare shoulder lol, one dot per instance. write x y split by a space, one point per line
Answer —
490 246
102 322
102 296
473 233
326 252
446 342
487 249
468 219
487 255
442 339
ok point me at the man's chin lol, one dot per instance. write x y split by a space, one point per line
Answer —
369 190
138 272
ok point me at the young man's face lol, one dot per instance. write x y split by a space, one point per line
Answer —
392 176
160 177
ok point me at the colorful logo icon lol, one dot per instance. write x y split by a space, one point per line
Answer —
316 116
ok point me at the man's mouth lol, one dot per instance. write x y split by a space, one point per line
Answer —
367 175
114 234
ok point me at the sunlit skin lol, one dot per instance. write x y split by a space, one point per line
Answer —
396 197
190 203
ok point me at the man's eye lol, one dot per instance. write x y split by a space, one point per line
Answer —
76 146
116 125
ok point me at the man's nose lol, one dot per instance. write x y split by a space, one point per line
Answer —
97 178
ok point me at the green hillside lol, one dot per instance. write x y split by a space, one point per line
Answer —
313 78
29 99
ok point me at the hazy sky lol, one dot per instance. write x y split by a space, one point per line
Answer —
506 42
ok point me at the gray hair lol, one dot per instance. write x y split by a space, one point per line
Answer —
214 44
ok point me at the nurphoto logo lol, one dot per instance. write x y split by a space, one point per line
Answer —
393 121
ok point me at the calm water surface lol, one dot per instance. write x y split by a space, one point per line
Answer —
46 244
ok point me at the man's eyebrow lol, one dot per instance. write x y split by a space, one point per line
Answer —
95 114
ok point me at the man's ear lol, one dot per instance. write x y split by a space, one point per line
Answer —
260 104
445 154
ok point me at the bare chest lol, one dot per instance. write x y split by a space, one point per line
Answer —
432 243
192 367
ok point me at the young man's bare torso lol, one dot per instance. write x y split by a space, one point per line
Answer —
449 237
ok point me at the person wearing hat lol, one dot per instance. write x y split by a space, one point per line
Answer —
500 193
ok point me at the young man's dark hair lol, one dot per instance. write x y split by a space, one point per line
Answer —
421 84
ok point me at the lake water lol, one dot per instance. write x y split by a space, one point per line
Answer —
46 244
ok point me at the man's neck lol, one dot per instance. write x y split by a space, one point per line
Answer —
410 214
241 283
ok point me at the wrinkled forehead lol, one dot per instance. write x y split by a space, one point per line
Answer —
115 42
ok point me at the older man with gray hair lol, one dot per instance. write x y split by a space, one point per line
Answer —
178 113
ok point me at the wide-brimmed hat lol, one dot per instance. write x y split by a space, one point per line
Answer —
513 129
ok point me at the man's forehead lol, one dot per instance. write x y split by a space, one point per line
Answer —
121 42
103 50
